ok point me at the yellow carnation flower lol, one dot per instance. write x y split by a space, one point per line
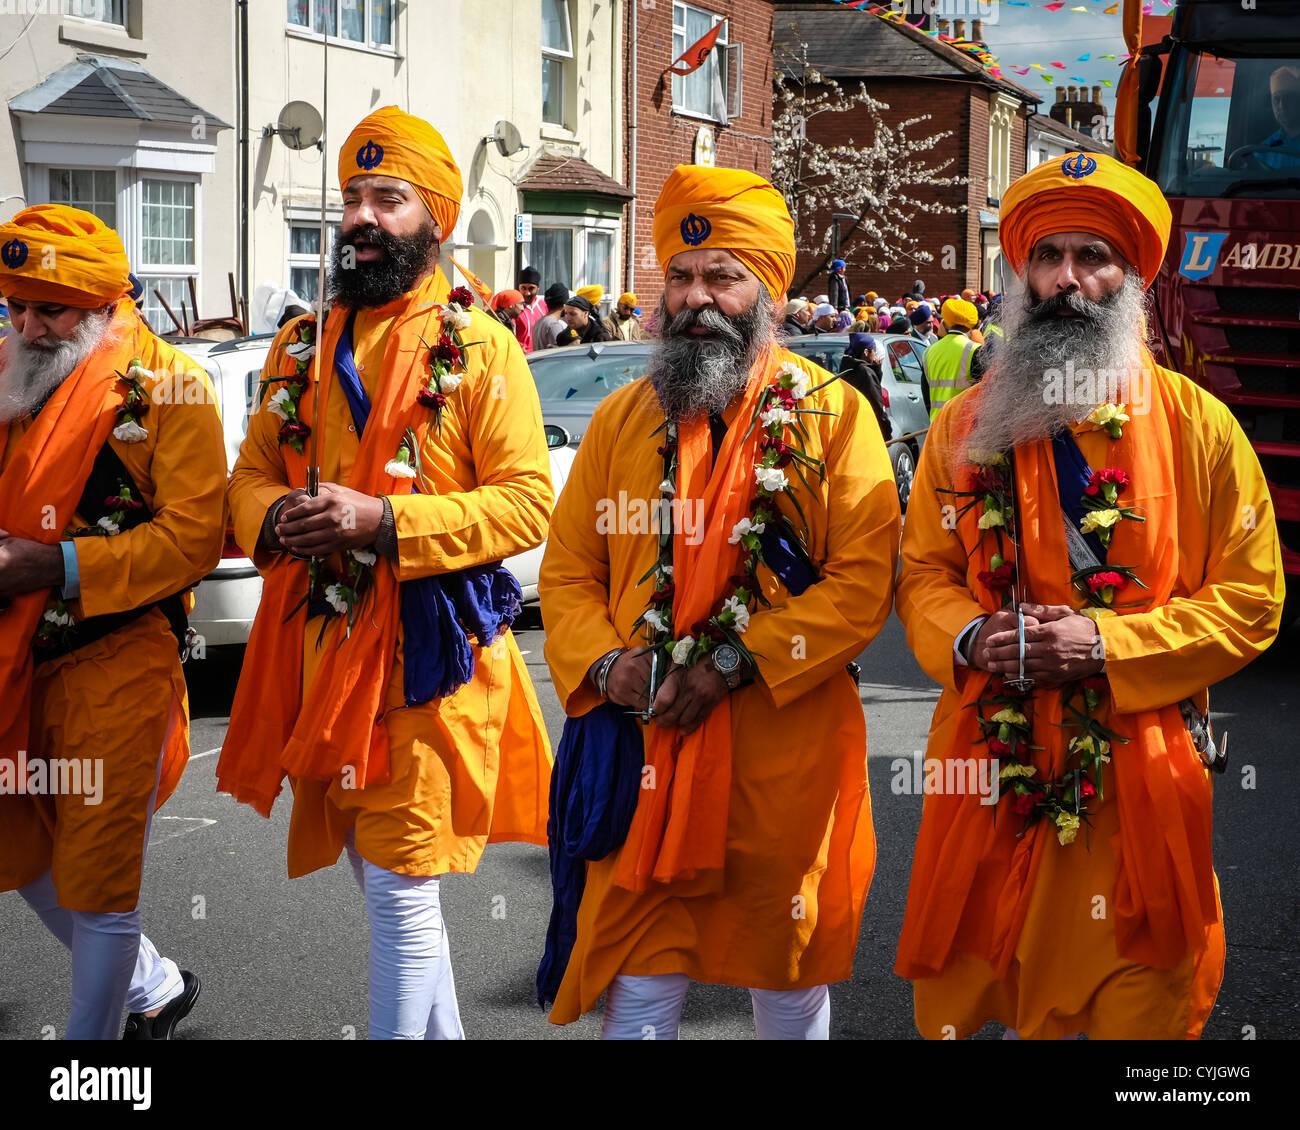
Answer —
1015 770
991 517
1006 714
1067 827
1099 520
1105 413
1082 742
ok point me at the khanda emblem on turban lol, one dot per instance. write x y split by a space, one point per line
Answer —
370 155
695 230
1078 166
14 254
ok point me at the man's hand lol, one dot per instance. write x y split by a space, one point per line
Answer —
628 680
28 565
338 518
688 695
1060 644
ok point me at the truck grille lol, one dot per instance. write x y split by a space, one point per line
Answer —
1265 380
1262 339
1258 301
1281 470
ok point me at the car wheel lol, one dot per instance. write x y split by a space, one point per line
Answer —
904 472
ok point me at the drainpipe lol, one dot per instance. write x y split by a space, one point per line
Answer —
629 282
242 158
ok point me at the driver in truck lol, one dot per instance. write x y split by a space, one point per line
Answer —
1284 90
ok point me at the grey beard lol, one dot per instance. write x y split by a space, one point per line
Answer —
1050 372
33 372
693 376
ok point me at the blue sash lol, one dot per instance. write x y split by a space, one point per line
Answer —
439 613
1072 475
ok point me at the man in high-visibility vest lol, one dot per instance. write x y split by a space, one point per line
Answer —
948 361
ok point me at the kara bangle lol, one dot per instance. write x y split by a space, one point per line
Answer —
606 662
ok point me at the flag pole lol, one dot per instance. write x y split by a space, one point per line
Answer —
313 458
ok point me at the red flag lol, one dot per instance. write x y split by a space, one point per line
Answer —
693 57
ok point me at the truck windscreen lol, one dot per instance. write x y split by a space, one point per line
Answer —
1231 126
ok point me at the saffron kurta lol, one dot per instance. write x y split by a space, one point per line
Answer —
473 767
799 847
121 699
1067 974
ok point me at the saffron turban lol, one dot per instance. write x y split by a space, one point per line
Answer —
959 312
1087 192
53 253
504 298
392 143
729 209
593 293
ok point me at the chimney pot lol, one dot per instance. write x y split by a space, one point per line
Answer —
1060 94
1074 93
977 30
959 29
943 27
1096 95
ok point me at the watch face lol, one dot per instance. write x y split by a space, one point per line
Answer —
726 658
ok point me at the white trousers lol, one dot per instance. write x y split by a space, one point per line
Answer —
412 991
650 1008
114 966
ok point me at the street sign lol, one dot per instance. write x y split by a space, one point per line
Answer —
704 147
524 227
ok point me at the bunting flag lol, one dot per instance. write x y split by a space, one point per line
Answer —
483 291
692 59
1110 11
1056 6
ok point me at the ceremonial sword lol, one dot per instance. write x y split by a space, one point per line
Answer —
313 456
1020 685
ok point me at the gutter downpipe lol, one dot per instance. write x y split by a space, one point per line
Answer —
629 281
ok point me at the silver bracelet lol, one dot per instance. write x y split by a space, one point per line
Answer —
606 663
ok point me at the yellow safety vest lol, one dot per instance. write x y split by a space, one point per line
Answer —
947 368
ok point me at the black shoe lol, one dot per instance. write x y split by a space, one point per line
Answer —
162 1026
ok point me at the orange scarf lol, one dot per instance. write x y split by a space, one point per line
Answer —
971 875
679 829
49 468
275 729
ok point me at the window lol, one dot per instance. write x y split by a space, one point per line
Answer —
92 190
552 254
576 251
304 257
557 53
105 11
346 19
1002 114
600 255
167 244
713 90
175 291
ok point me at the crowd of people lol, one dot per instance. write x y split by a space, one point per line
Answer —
558 317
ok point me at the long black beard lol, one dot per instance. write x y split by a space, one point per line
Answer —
693 375
384 280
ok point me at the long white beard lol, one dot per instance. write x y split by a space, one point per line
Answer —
32 372
1051 372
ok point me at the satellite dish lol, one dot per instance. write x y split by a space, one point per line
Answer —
507 138
299 125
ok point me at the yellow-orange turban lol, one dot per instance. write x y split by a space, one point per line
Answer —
959 312
53 253
1087 192
731 209
593 293
392 143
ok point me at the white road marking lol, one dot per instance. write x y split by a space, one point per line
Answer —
205 753
193 824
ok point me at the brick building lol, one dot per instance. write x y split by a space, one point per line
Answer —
721 114
913 73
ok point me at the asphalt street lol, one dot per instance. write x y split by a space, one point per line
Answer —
282 959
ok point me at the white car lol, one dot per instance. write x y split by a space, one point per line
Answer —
226 601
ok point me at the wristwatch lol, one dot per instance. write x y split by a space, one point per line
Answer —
726 661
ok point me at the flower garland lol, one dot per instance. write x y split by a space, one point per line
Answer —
1005 715
127 427
782 446
285 400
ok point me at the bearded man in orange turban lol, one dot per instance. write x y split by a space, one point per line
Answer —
739 847
1090 546
112 480
381 675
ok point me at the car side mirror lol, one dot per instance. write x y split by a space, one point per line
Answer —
556 436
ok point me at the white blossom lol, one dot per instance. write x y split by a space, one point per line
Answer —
776 415
57 618
666 487
741 613
400 469
334 595
449 383
771 479
798 379
139 373
657 620
364 556
682 650
279 399
107 523
301 350
743 527
666 570
129 431
456 317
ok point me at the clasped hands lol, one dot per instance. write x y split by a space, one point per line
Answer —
27 565
685 698
336 519
1060 644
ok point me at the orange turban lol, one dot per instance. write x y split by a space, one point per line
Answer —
392 143
1087 192
736 211
53 253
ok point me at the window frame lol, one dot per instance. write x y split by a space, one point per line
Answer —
46 170
302 260
579 227
720 59
336 37
71 9
563 59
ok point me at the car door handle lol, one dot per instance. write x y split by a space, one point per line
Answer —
913 395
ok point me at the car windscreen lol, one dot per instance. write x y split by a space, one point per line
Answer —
573 374
827 354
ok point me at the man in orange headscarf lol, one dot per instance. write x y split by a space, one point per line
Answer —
382 677
112 477
749 856
1090 545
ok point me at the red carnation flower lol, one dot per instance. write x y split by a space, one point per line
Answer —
461 296
445 350
714 632
1087 790
1097 684
1000 579
1024 804
998 747
660 596
293 429
119 503
430 399
988 480
1099 581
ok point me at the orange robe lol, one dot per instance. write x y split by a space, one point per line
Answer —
473 768
1067 973
800 848
121 699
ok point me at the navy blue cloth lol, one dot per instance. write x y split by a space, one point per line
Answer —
440 614
783 554
594 789
1072 475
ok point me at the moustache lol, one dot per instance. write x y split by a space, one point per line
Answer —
712 320
1067 302
371 235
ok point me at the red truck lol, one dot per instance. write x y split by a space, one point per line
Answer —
1219 131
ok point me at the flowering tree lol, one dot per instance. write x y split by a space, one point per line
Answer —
875 176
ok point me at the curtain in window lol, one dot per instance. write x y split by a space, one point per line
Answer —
552 255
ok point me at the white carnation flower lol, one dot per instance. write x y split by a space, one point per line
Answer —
666 487
400 469
107 523
335 598
780 416
365 556
682 650
666 570
770 478
139 373
279 399
449 383
57 618
129 431
456 318
741 613
301 350
743 527
798 379
657 620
